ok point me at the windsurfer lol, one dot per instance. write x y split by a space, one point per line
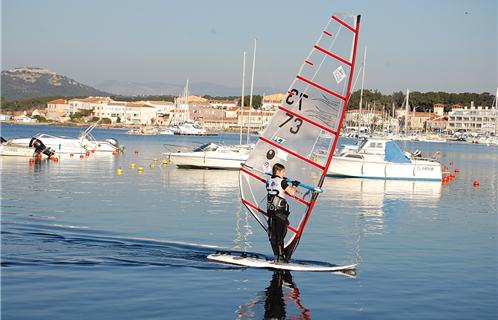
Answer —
278 209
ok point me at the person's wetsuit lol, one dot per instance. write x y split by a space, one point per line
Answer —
278 211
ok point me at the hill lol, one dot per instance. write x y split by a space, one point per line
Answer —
26 82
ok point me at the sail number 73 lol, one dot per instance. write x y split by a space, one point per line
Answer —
297 123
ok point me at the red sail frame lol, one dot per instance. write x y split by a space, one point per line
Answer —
319 167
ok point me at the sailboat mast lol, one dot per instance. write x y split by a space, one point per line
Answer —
243 93
496 112
186 116
407 109
362 85
252 87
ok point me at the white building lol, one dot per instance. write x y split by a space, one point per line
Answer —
478 120
139 113
87 103
254 118
114 110
5 117
163 108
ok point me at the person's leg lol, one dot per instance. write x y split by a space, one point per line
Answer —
272 234
280 232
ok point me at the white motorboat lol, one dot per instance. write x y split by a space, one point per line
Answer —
190 129
85 142
382 159
211 156
89 142
59 144
33 149
167 131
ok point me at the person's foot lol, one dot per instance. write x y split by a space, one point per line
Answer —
280 259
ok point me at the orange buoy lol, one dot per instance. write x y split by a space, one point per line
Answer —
31 161
81 156
476 183
93 151
39 156
88 153
55 159
452 175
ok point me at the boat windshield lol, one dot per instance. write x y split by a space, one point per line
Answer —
362 143
206 147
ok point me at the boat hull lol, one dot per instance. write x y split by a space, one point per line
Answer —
207 161
358 168
17 151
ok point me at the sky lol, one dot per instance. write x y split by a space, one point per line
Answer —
422 45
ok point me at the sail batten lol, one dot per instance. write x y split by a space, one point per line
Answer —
315 104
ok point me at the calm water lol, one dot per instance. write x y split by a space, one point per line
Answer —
81 242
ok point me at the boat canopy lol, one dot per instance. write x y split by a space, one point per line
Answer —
395 154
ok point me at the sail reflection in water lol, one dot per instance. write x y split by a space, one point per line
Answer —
278 299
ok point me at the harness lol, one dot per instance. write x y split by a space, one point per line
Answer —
276 195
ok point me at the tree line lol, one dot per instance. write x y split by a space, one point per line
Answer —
423 101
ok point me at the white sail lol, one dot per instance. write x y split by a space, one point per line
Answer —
316 103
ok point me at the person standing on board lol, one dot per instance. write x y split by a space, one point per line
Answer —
278 209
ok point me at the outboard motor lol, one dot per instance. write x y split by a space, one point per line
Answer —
40 147
114 142
3 140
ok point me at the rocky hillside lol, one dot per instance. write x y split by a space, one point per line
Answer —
24 83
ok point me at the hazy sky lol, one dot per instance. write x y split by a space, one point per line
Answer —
424 45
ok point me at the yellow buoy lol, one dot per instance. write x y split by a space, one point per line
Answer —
165 161
152 166
120 171
140 169
132 165
155 160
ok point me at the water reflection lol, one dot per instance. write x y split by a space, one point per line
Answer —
243 230
277 297
372 199
213 182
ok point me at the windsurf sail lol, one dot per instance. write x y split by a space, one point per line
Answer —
306 124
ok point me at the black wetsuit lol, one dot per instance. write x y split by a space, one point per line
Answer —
278 211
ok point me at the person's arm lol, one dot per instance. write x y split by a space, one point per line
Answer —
288 188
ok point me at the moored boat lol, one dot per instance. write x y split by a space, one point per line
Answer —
383 159
33 149
211 156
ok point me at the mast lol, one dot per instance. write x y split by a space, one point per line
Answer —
496 111
362 85
407 109
186 116
252 86
243 92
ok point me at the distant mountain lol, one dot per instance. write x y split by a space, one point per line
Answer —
128 88
27 82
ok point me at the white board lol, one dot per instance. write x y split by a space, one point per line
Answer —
260 261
